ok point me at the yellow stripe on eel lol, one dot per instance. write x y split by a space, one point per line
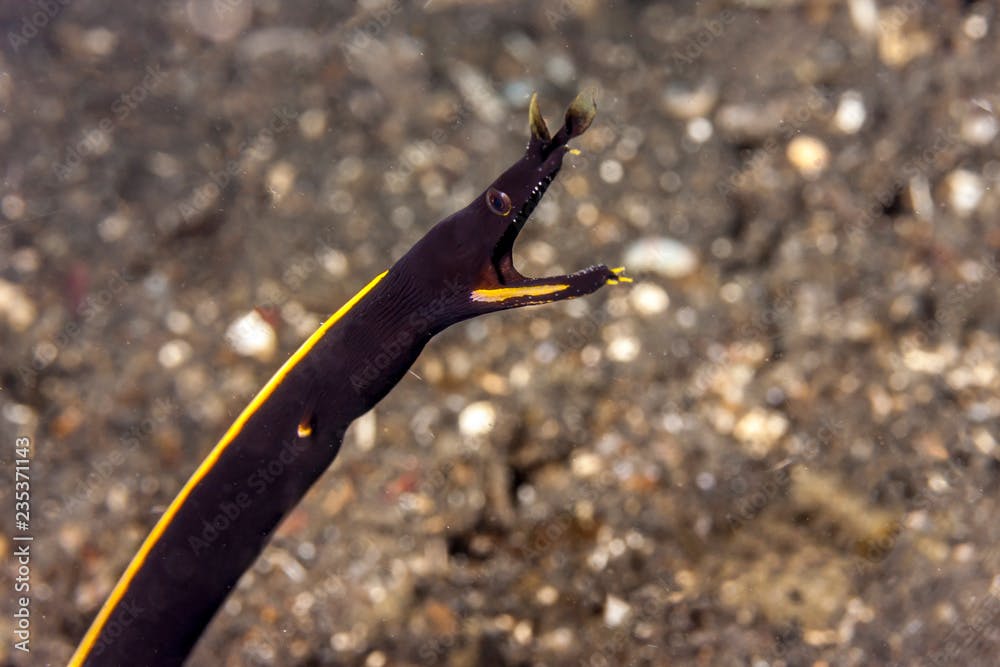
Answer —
83 650
504 293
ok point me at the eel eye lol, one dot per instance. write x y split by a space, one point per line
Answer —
498 201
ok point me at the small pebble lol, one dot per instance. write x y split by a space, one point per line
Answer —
964 190
12 206
624 349
342 641
687 317
864 16
366 431
590 355
921 198
26 260
616 611
174 353
705 481
662 255
731 292
688 103
477 419
18 413
219 21
523 633
100 41
164 165
851 113
648 299
280 180
118 498
178 322
560 639
587 214
97 141
252 336
979 128
560 69
984 441
547 595
899 41
760 430
976 26
611 171
113 227
334 262
808 154
587 464
312 123
16 309
964 553
71 537
699 130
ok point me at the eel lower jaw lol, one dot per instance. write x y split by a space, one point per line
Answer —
511 281
516 279
521 291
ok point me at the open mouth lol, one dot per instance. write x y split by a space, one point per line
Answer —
503 252
543 160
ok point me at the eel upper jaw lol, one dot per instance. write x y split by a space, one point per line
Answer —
502 261
503 253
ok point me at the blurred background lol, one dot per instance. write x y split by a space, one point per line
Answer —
777 447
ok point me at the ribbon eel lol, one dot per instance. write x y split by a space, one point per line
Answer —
292 430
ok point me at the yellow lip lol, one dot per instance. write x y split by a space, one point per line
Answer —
504 293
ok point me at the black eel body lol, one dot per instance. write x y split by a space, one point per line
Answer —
291 432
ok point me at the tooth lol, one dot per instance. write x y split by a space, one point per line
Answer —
538 128
581 112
